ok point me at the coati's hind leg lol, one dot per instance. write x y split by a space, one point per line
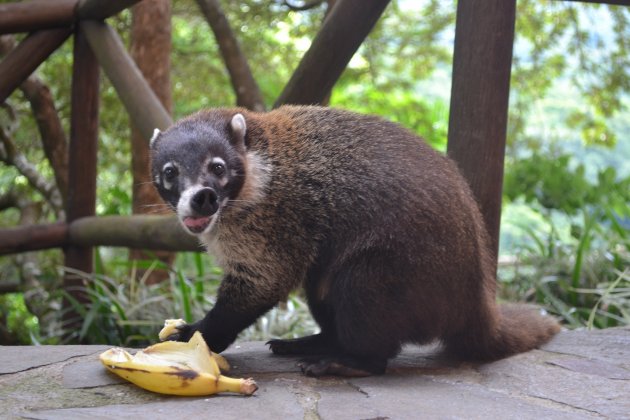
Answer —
325 342
367 323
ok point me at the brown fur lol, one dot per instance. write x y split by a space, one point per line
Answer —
381 231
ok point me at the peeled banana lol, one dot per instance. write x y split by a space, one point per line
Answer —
176 368
170 327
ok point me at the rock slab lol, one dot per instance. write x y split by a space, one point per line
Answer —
578 375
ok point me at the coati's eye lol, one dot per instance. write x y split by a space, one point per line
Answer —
170 173
218 169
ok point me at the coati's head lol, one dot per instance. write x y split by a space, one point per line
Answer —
198 165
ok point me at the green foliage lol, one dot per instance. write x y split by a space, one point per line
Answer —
130 312
553 182
580 265
584 280
426 119
15 320
570 41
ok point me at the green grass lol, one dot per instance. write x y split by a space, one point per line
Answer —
130 312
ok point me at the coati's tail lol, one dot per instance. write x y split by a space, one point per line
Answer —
519 328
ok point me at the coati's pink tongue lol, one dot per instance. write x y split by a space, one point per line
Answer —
196 222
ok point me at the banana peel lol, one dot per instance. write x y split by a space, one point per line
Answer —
176 368
170 328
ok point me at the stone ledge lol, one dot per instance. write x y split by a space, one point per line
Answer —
580 374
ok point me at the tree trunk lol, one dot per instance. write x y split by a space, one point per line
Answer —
150 48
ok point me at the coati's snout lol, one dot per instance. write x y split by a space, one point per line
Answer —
197 208
204 202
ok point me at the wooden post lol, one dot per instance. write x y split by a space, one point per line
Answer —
482 62
26 57
343 31
144 108
81 199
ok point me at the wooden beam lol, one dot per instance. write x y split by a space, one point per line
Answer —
147 232
32 238
102 9
343 31
144 108
28 16
26 57
81 200
247 92
482 60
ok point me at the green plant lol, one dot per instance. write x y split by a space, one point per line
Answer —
130 312
578 266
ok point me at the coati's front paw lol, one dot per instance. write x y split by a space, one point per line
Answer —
309 345
176 330
281 347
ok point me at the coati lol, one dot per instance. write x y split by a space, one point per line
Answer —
381 231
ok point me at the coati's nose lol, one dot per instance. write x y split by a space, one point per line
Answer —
204 202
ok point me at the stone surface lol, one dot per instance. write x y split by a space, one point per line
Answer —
19 358
579 375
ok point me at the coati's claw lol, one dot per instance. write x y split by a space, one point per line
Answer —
176 330
281 347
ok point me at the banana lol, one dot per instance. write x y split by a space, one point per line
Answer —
170 327
175 368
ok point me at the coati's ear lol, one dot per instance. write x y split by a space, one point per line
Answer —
239 128
156 134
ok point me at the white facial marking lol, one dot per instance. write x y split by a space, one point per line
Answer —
184 210
218 160
168 185
156 133
183 205
223 181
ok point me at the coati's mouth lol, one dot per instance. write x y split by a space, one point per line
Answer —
197 224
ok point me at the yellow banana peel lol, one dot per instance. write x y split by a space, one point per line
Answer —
170 327
176 368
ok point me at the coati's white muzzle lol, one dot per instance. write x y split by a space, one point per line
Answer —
198 208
